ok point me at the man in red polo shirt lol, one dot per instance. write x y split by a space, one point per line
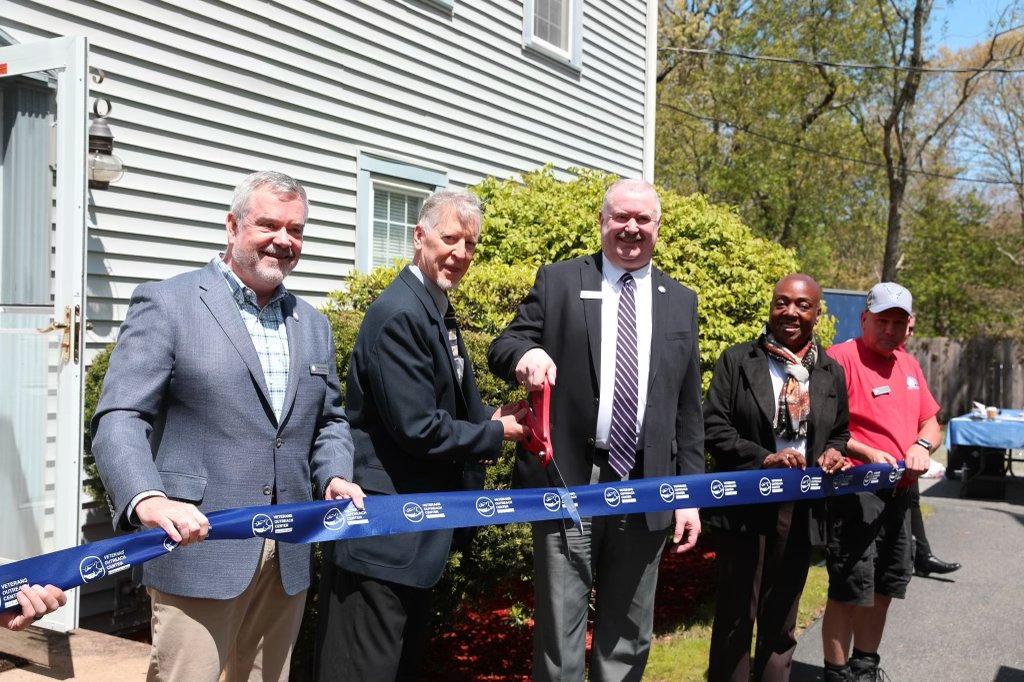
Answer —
892 418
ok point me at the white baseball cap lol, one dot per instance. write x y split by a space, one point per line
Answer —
887 295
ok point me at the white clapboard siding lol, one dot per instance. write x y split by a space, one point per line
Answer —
205 91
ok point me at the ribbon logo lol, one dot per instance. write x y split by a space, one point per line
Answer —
667 492
91 568
261 523
612 497
413 512
334 519
717 489
552 501
485 507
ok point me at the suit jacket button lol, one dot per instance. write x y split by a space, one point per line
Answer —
590 442
268 490
597 402
278 443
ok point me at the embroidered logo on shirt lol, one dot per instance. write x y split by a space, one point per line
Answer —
912 384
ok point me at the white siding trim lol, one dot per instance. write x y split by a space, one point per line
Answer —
650 94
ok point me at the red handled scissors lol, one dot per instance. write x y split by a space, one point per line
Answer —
539 443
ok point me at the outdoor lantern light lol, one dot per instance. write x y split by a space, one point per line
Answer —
104 167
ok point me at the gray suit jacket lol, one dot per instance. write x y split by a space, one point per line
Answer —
185 410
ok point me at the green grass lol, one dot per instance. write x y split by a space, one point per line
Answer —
682 655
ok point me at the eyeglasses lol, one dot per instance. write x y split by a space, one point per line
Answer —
642 220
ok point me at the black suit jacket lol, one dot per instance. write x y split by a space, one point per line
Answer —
738 413
415 428
555 317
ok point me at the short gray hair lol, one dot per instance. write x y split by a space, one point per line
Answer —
462 202
634 184
276 182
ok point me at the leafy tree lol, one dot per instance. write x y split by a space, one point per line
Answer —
774 139
892 104
760 105
954 268
994 127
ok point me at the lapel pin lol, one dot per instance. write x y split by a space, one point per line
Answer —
661 288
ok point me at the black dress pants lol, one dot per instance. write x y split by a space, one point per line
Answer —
760 578
369 630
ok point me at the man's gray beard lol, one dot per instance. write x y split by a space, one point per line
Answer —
272 277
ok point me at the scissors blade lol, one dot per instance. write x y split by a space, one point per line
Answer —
539 443
568 504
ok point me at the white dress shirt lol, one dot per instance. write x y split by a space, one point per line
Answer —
611 286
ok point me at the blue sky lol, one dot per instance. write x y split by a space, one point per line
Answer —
961 23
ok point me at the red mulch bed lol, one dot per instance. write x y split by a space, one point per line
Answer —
484 644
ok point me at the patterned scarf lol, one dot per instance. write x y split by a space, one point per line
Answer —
794 398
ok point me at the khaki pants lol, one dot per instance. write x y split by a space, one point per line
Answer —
248 638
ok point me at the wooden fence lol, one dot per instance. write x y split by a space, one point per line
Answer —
960 371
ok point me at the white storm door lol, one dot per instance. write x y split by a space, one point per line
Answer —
43 91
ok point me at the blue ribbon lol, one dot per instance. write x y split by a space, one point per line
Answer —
388 514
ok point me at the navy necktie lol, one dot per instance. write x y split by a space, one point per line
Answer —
622 437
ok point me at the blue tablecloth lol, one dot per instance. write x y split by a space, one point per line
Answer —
1005 431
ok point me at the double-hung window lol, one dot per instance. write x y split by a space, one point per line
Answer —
395 208
553 28
391 193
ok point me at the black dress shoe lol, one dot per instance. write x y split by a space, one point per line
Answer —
929 563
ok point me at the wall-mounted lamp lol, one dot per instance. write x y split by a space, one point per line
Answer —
103 167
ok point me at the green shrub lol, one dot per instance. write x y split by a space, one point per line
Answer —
537 219
91 483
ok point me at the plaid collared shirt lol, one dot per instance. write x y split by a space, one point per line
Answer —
269 336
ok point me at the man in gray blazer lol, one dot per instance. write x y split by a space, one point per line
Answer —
610 421
222 392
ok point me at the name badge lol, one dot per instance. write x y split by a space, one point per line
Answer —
585 294
880 390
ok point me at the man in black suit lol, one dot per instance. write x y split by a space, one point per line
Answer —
778 401
588 320
419 426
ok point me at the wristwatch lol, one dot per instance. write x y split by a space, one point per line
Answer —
924 443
